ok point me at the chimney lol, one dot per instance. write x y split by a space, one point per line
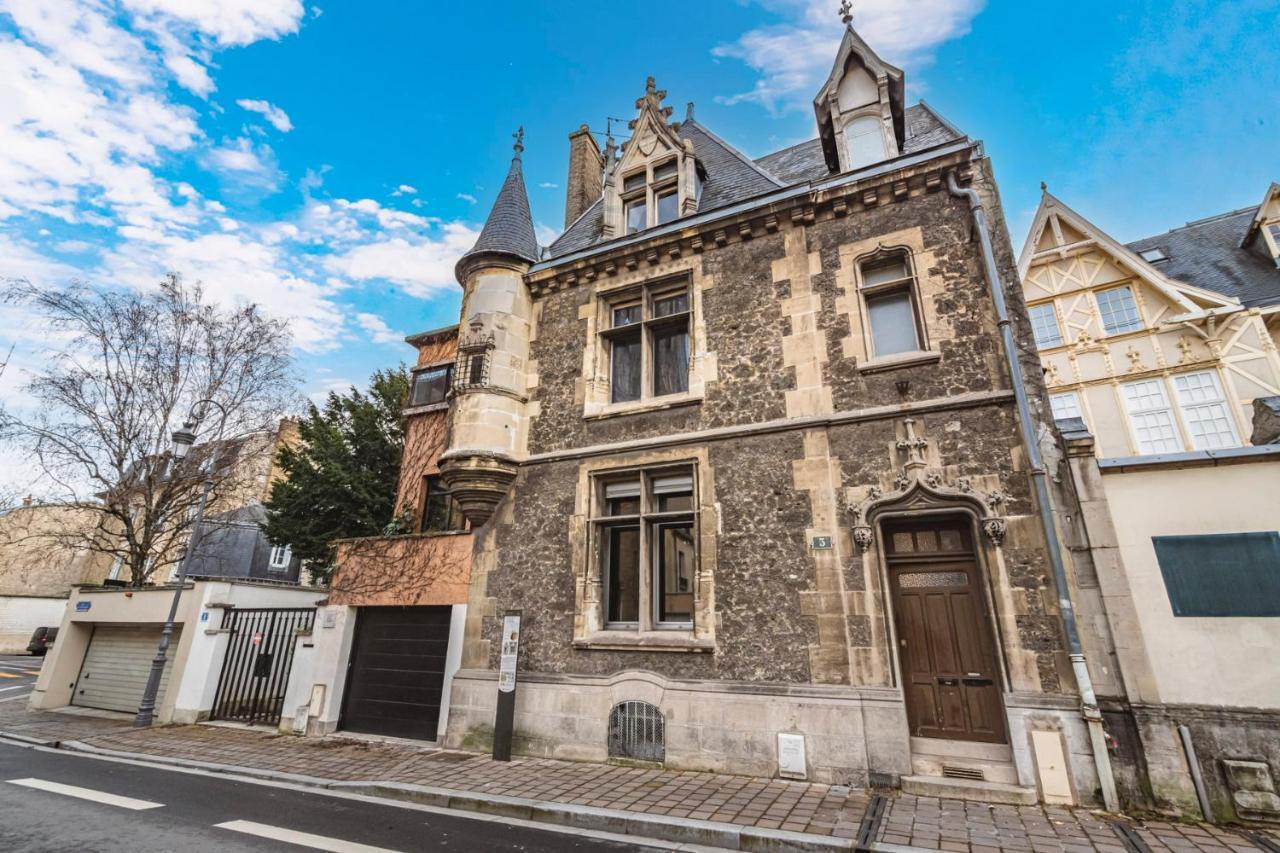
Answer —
586 175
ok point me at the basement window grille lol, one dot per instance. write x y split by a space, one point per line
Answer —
951 771
638 731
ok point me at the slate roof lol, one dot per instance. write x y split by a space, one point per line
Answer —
1207 253
730 176
509 228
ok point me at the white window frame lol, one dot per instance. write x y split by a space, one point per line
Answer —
1201 400
281 556
1076 409
1151 411
1272 231
1133 299
1038 312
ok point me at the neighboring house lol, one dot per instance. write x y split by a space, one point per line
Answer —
1160 346
387 644
1161 363
743 447
232 545
40 562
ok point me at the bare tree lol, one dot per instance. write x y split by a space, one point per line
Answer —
129 367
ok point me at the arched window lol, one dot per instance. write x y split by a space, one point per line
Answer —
865 141
638 731
888 292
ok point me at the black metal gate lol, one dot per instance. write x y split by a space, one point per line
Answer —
255 671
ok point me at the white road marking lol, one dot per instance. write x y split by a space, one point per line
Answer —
16 698
87 794
15 687
302 839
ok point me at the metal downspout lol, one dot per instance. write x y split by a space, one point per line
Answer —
1088 700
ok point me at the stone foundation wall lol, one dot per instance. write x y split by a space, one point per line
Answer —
1224 738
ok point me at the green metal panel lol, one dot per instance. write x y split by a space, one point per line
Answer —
1221 574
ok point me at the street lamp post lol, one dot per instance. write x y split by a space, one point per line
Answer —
183 438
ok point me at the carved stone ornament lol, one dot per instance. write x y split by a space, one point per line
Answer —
916 489
995 528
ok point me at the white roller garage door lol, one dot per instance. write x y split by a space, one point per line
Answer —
116 665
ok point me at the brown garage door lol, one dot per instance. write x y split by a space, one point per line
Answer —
396 676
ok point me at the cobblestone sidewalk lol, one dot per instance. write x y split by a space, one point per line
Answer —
822 810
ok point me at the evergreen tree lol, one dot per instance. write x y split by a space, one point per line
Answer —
340 477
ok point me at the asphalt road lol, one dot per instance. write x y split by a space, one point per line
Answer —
18 675
121 806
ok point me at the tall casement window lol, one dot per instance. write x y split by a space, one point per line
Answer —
431 384
889 293
644 527
651 196
1204 410
1044 325
647 342
1151 417
440 512
1118 310
1206 422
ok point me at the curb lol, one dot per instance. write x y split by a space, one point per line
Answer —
641 826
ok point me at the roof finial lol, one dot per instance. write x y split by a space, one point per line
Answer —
688 111
846 12
1044 188
650 85
518 136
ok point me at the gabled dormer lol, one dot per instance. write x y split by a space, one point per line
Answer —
656 178
1263 235
860 107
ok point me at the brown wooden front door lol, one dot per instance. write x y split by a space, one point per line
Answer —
945 641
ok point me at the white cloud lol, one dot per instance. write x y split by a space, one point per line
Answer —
423 267
793 58
247 164
273 114
548 185
545 233
379 331
467 197
405 189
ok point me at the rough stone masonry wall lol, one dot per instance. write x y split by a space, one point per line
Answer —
777 317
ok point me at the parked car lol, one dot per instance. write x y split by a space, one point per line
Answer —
41 640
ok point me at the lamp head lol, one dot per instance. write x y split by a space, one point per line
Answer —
183 439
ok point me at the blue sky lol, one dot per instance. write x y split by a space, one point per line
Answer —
332 159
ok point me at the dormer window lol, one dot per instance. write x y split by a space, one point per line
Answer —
1273 231
651 196
865 140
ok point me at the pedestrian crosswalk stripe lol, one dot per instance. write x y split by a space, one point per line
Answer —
15 687
87 794
302 839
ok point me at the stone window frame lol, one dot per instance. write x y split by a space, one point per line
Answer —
646 520
589 631
653 187
595 381
644 296
887 143
925 350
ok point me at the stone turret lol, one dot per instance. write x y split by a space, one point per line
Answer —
488 419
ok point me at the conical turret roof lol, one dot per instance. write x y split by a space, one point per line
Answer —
509 228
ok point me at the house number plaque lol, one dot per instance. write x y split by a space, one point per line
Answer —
821 543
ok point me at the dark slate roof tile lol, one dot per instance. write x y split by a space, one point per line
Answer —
732 177
509 228
1207 254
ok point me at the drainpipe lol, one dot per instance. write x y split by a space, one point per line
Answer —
1088 700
